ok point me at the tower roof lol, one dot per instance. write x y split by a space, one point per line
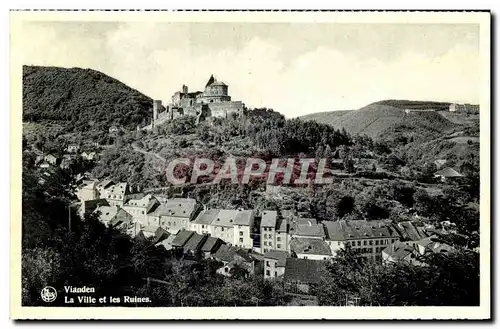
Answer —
210 81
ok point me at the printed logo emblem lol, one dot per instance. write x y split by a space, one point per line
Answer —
49 294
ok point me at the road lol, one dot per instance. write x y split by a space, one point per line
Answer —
141 150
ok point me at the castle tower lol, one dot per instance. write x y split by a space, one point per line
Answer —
156 110
184 89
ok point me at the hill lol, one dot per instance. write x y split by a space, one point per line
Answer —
81 99
327 117
381 118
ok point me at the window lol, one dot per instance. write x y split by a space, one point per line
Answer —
278 245
202 226
305 257
376 243
359 243
324 258
275 274
364 243
371 243
265 243
226 270
268 273
241 240
143 212
338 243
241 233
270 244
267 263
278 239
222 229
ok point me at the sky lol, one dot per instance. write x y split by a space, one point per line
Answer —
294 68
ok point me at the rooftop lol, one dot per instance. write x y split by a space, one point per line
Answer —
181 238
225 218
269 218
358 229
206 216
303 270
309 230
278 255
448 172
399 250
195 242
409 231
228 253
177 207
244 217
210 244
310 246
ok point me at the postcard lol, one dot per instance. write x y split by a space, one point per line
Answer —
285 165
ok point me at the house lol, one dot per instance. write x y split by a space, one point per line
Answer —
175 214
274 263
66 161
192 248
410 231
222 226
310 248
439 163
113 216
367 238
429 245
117 194
181 238
89 206
301 274
307 228
140 208
447 174
201 224
268 223
103 185
154 231
231 257
167 243
51 159
243 228
211 246
401 252
73 148
89 156
88 192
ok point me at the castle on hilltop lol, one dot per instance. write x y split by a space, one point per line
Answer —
214 101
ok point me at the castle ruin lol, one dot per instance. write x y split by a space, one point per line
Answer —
214 101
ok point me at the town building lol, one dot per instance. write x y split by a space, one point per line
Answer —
211 246
175 214
117 194
140 208
401 252
439 163
274 263
113 216
310 248
367 238
231 256
89 156
89 206
73 148
447 173
301 274
88 192
464 108
51 159
268 223
201 224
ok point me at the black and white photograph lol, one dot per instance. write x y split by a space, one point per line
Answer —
280 165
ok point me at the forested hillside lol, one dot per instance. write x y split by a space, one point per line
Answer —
81 99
